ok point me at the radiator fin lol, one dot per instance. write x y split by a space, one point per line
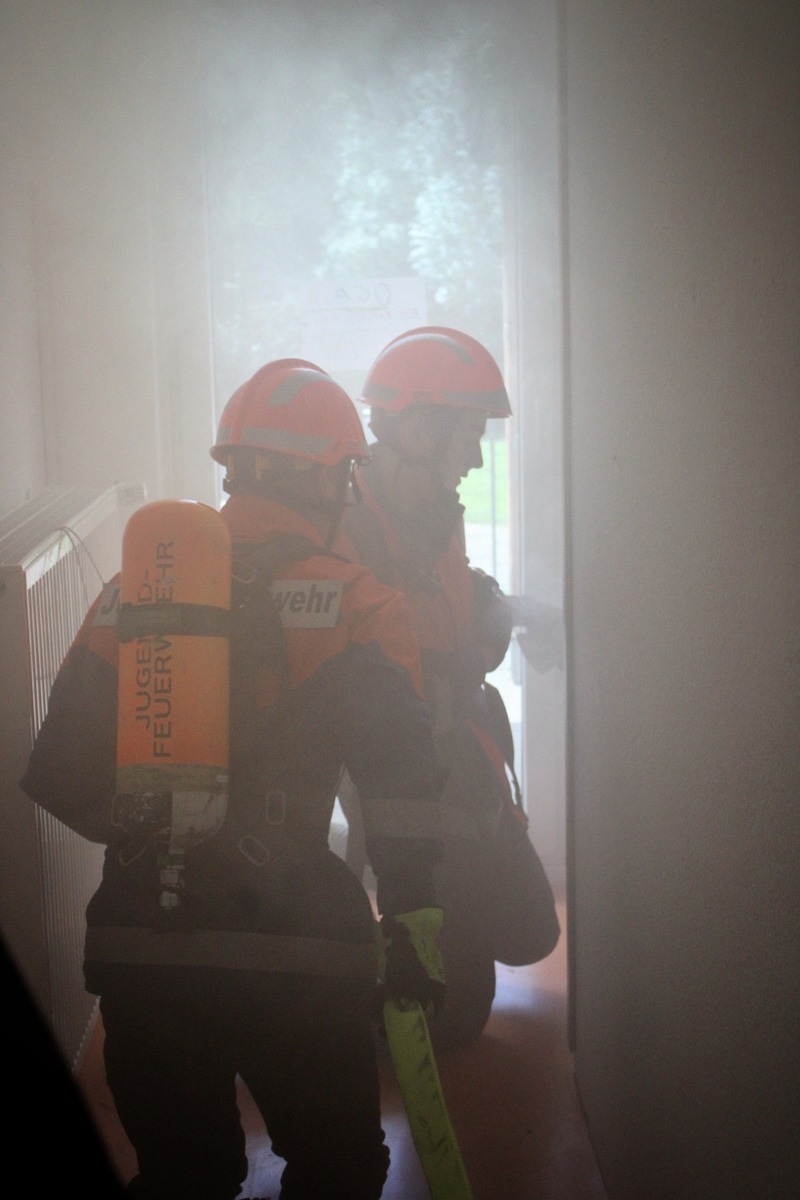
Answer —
55 553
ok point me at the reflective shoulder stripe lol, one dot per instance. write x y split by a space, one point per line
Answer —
232 950
456 822
417 819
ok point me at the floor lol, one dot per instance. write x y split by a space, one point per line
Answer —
511 1099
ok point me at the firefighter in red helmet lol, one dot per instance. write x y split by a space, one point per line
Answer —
267 968
430 393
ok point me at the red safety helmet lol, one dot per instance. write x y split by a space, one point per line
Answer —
292 407
439 366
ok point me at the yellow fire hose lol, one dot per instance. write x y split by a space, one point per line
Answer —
418 1079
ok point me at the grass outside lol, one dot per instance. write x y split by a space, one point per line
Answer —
480 487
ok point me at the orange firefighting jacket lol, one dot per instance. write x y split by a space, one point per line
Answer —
463 627
345 692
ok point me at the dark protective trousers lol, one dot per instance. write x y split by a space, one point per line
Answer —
305 1050
176 1039
499 907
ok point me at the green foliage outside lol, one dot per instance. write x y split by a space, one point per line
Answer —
484 492
417 188
378 161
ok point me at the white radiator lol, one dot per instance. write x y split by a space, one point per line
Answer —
55 553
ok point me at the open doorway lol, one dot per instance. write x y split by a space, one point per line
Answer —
369 180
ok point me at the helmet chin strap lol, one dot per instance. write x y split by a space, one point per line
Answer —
312 504
305 501
349 495
390 432
353 493
430 463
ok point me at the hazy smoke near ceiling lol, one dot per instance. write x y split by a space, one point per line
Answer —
348 141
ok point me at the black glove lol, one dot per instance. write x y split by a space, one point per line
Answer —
494 619
410 961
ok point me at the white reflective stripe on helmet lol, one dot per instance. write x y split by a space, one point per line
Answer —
300 377
284 441
494 404
231 950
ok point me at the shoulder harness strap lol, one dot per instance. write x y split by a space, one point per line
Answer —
257 637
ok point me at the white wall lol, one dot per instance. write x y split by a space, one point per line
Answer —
681 124
22 464
534 355
102 229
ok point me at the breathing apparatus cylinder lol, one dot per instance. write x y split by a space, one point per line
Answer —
173 697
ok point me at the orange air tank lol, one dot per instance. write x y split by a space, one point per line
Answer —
174 677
